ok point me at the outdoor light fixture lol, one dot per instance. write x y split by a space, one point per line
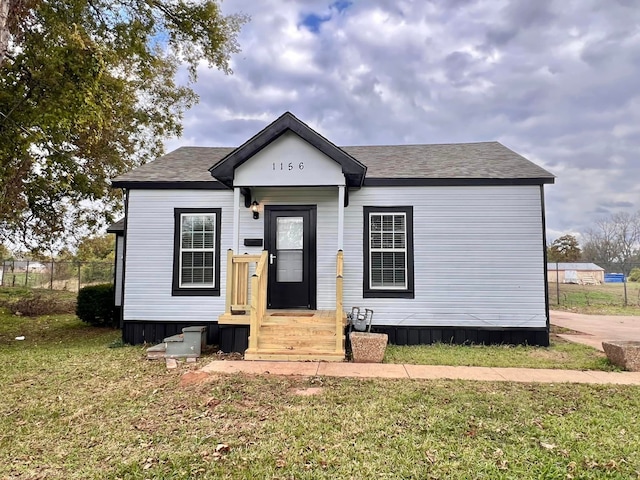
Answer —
255 210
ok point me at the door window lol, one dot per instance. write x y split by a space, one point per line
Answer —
289 246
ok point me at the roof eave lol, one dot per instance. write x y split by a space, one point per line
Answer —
436 182
169 185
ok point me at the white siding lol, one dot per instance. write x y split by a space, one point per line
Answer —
150 240
118 273
478 253
149 262
478 256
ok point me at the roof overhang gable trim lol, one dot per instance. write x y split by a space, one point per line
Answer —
224 170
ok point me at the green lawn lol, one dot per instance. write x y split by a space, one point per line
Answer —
605 299
72 408
559 355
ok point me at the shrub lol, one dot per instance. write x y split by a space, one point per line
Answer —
634 276
96 305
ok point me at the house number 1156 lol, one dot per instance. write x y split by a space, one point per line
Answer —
286 166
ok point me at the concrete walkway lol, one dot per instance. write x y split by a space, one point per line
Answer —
364 370
595 329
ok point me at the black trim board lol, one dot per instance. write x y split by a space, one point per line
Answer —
150 331
176 290
402 335
367 291
544 250
235 338
453 182
174 185
223 171
367 182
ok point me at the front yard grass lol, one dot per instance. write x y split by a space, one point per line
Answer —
561 354
72 408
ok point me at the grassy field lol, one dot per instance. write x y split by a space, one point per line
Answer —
605 299
73 408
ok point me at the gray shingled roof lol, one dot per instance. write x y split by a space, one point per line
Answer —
574 266
116 227
484 160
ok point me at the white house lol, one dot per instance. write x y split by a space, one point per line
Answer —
443 242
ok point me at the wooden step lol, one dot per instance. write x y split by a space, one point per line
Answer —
293 356
299 330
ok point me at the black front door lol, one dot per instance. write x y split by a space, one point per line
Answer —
290 239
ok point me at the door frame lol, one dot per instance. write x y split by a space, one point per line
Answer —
313 273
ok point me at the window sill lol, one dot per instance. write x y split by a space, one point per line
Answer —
195 292
388 294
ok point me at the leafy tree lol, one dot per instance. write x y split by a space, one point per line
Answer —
614 242
564 249
88 90
98 248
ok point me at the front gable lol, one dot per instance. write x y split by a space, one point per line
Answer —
288 160
289 152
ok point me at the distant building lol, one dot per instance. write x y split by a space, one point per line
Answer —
579 273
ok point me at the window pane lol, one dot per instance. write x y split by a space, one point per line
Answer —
290 266
387 240
290 232
187 260
387 223
398 223
209 240
376 223
376 240
186 240
398 240
376 260
387 260
198 240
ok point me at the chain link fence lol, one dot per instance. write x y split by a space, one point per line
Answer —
617 294
70 276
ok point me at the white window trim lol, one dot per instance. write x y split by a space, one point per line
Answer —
383 250
212 250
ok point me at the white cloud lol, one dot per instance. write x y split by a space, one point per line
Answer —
555 80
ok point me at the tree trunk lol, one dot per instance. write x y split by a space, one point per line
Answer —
5 10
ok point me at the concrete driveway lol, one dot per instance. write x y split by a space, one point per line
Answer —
594 329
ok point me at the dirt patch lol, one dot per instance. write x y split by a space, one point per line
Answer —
195 378
563 330
308 392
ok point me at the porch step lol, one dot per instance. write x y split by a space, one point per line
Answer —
292 356
287 336
188 344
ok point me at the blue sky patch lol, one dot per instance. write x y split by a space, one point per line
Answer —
313 21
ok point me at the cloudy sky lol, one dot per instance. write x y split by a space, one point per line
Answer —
558 81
